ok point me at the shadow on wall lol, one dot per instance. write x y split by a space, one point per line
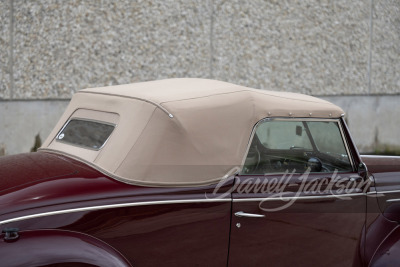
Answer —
37 144
2 150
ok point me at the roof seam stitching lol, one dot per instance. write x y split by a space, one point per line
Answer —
130 97
191 98
257 91
290 98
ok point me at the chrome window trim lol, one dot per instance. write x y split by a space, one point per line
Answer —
85 119
346 144
113 206
337 120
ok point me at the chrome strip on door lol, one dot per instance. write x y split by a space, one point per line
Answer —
112 206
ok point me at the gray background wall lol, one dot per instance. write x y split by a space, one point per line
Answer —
345 51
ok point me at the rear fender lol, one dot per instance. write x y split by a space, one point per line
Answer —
388 253
46 247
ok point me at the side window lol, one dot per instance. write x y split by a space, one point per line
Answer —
295 146
283 135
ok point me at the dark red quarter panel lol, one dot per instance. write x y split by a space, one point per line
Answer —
17 170
148 226
389 250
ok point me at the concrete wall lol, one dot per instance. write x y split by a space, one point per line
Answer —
345 50
374 122
21 121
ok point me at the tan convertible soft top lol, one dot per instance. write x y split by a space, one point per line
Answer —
178 132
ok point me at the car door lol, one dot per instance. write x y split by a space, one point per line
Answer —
298 200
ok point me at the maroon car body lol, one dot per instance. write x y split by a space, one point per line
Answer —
56 210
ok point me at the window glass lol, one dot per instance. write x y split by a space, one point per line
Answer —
85 133
325 136
283 135
296 146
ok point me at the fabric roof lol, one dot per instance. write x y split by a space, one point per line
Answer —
178 132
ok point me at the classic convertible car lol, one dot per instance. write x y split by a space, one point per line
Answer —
195 172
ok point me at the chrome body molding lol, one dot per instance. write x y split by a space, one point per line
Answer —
298 197
388 192
113 206
393 200
184 201
380 156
